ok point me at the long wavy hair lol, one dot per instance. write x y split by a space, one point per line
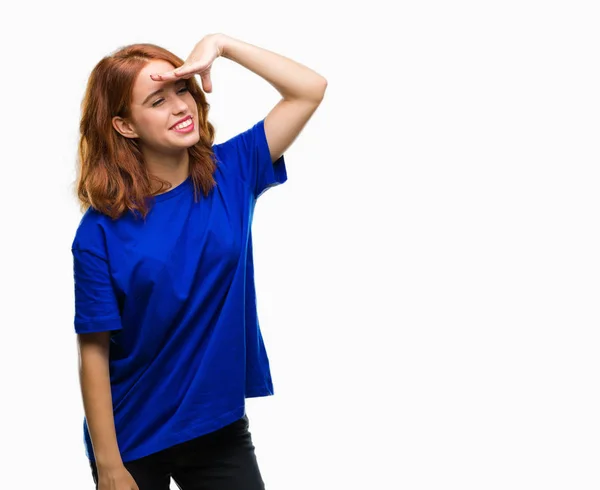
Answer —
111 175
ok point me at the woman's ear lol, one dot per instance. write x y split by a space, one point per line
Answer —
124 127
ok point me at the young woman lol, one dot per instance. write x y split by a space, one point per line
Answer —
165 308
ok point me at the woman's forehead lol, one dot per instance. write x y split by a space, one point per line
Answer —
144 85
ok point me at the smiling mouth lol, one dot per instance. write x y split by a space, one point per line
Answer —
184 127
185 121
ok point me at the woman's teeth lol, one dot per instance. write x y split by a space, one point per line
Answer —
184 124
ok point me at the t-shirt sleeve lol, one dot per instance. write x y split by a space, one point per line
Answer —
96 307
248 155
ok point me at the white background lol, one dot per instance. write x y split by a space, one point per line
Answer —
428 278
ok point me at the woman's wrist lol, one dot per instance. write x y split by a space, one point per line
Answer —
221 41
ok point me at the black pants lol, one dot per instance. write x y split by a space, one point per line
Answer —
221 460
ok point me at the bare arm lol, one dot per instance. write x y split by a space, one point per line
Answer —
97 398
301 88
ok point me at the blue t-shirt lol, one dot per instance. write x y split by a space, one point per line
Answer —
177 292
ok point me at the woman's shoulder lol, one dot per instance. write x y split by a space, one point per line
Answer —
240 140
90 233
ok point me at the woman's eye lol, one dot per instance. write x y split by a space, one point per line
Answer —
184 89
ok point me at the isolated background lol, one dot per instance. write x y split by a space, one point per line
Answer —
428 278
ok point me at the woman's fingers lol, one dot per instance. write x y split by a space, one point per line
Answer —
173 74
206 81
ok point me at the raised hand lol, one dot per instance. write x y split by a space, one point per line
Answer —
200 60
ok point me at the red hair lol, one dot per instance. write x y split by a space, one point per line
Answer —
112 177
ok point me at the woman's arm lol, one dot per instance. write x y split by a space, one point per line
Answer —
290 78
302 90
97 397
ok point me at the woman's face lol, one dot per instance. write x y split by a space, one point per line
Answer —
154 115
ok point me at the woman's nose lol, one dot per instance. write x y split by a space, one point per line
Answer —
179 106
